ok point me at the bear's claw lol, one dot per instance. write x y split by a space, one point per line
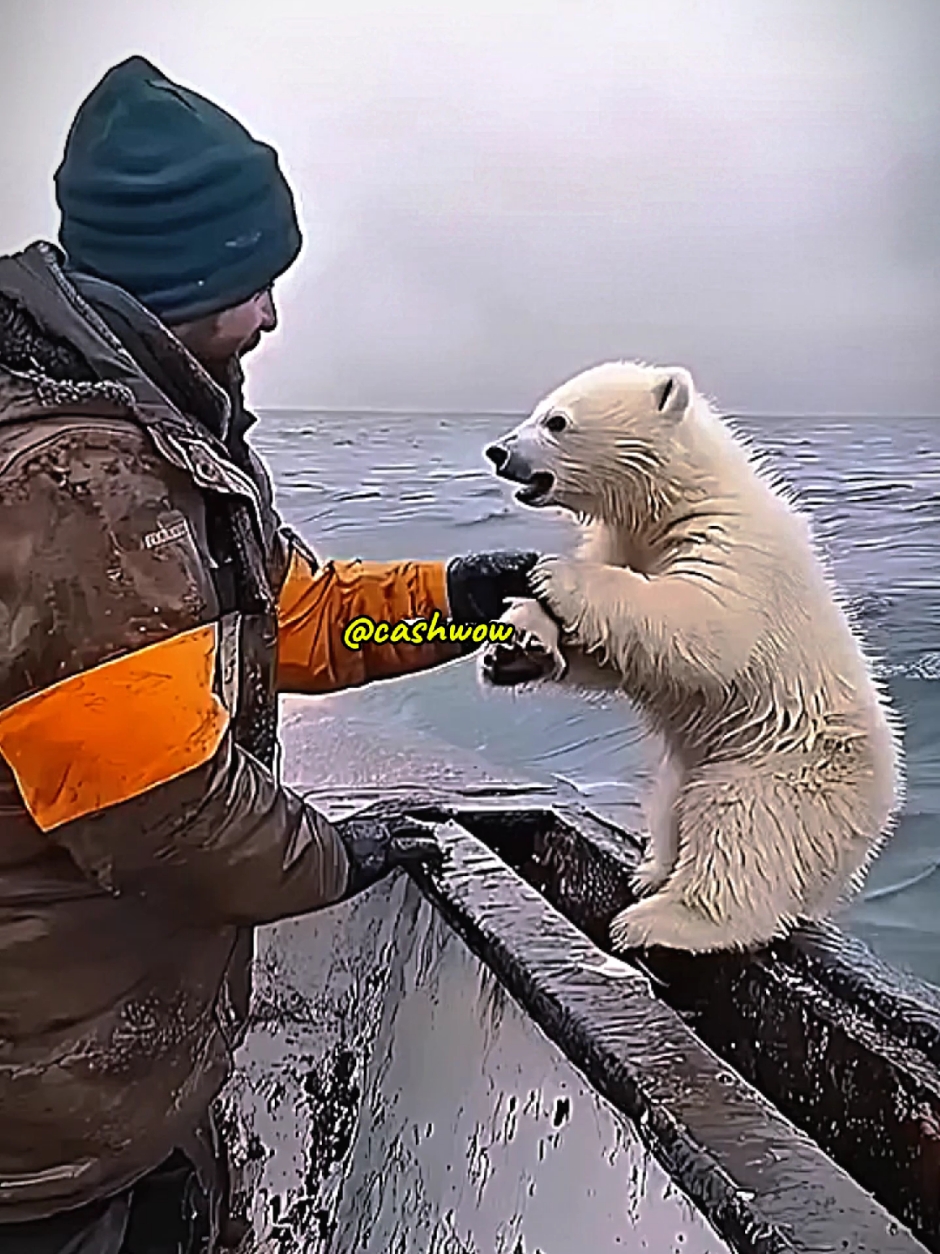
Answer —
648 876
531 656
507 665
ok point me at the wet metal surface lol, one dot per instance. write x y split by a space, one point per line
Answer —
410 1107
483 1135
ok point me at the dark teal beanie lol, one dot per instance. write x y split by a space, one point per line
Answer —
165 195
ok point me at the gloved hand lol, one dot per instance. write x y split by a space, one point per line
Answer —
376 842
479 585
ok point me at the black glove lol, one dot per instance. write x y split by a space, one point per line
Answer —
479 585
375 845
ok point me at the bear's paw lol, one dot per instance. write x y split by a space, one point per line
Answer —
664 921
533 654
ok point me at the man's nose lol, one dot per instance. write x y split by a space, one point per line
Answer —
268 311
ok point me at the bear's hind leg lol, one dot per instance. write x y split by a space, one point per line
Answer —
737 881
662 847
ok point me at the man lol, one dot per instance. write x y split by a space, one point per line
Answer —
152 606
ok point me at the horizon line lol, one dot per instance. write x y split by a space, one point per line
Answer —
414 412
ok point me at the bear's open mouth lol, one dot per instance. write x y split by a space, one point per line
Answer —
537 488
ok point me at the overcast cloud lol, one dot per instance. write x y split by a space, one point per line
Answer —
496 195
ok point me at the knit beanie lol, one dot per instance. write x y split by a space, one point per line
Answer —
167 196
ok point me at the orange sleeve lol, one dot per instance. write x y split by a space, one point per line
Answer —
117 730
315 605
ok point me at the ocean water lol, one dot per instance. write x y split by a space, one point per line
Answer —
383 486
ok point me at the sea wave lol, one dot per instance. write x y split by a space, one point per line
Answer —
927 666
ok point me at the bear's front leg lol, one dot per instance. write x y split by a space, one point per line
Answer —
682 627
586 597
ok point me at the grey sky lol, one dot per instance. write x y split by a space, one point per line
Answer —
497 194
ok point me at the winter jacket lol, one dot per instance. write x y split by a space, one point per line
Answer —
152 608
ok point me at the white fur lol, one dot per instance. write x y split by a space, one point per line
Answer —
697 589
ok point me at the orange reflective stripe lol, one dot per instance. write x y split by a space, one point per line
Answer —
113 732
315 606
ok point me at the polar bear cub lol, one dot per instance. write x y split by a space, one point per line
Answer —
698 592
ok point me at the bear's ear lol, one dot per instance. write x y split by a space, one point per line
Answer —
672 394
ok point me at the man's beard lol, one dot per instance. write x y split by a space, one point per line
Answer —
250 344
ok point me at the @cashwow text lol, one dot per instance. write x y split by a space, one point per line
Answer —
366 630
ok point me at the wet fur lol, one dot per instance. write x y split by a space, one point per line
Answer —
698 591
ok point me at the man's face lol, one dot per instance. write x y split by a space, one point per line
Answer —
231 333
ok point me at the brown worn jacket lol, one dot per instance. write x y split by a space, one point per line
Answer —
152 606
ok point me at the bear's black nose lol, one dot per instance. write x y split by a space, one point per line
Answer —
498 455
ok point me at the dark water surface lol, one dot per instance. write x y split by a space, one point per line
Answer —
385 486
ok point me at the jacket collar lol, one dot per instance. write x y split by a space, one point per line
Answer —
157 352
124 344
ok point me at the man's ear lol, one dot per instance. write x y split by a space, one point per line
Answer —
672 393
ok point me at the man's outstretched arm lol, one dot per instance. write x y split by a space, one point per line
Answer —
317 603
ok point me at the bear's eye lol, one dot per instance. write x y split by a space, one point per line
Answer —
556 423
